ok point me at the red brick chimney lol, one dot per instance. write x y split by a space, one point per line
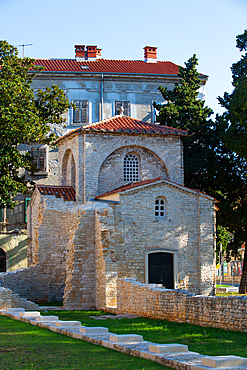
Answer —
91 52
150 54
80 53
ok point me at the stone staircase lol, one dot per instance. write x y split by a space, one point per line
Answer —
9 299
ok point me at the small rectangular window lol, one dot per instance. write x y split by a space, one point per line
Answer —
80 113
125 105
39 158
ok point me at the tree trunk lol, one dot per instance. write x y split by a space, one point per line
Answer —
243 282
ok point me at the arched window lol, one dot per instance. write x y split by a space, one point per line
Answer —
131 168
2 260
160 207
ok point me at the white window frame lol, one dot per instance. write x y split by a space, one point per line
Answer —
122 101
175 263
80 122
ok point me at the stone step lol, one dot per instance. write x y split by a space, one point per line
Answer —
94 330
30 314
47 318
126 338
221 362
15 310
67 323
168 348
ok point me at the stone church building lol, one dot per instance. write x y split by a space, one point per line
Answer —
121 211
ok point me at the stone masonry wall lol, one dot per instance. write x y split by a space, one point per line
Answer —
181 306
111 174
51 238
135 232
80 281
98 147
159 156
8 299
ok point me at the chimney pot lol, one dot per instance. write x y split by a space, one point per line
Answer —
80 53
91 52
150 54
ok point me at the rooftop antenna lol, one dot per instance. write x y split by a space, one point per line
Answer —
23 46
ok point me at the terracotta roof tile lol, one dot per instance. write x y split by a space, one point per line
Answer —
108 66
65 192
126 125
128 186
150 181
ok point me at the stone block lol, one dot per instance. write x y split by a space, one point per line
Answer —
46 318
15 310
94 330
223 361
168 348
127 338
29 314
67 323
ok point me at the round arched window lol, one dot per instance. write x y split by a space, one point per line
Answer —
131 168
160 207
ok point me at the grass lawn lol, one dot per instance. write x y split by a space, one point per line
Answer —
23 346
206 341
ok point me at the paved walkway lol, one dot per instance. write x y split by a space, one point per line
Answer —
176 356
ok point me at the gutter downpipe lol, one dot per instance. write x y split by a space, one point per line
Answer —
84 168
102 95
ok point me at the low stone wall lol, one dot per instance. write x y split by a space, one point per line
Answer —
155 302
8 299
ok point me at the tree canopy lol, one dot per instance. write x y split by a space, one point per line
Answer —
183 109
235 104
214 154
24 118
233 125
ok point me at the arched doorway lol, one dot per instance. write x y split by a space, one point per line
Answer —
2 260
160 269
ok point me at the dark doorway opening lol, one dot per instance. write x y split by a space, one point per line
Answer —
160 269
2 260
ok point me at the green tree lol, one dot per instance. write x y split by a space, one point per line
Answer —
209 163
183 109
24 118
235 104
233 123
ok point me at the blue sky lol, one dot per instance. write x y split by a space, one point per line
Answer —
178 28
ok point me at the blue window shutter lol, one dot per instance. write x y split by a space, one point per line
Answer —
27 200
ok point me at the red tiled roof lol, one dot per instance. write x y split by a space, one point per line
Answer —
108 66
65 192
128 186
126 125
147 182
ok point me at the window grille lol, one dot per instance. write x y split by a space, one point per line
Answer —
125 105
39 158
131 168
80 113
160 207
